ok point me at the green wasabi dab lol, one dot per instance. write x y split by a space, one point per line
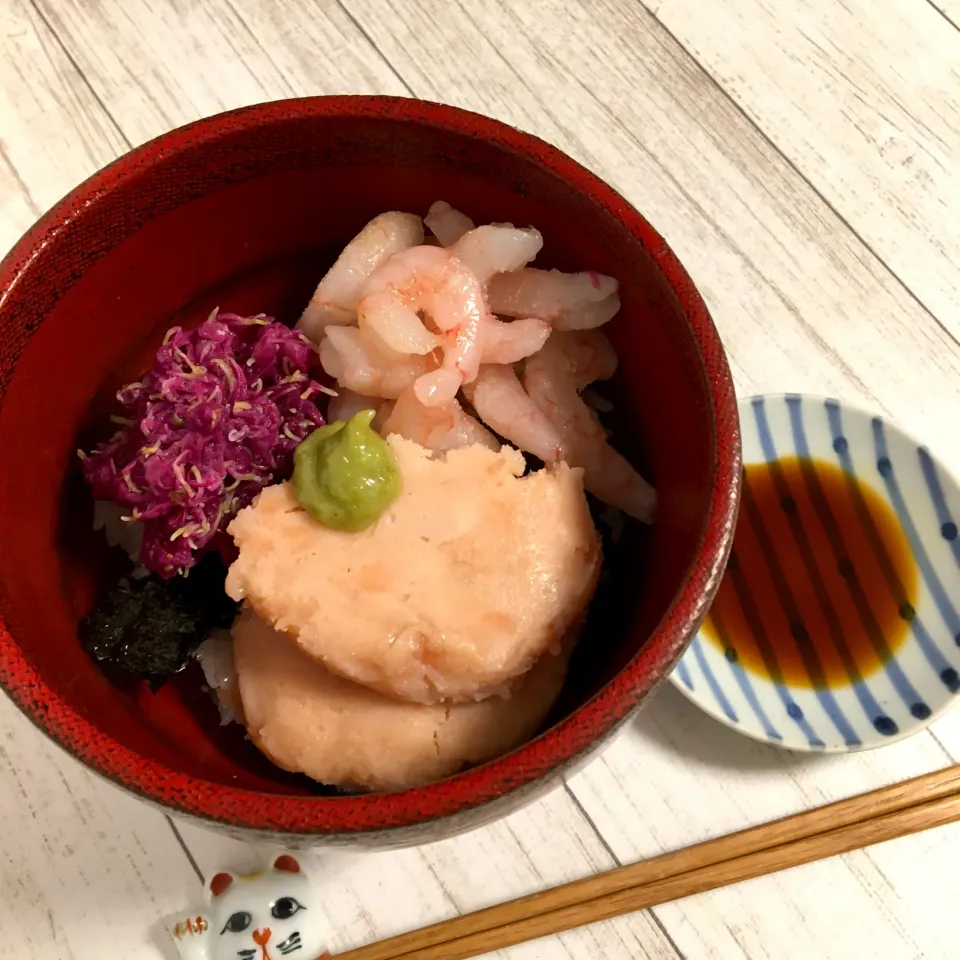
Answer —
345 474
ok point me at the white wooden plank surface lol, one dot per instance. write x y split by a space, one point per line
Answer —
862 98
950 9
156 65
53 133
370 895
801 303
677 777
84 869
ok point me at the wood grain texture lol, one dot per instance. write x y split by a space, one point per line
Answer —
950 9
85 871
158 65
801 302
367 896
864 102
53 133
891 812
677 777
664 889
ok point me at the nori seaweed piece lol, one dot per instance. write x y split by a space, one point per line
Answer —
149 627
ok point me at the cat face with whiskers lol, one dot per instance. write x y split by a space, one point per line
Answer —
268 916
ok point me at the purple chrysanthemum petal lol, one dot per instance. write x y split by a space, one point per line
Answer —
215 419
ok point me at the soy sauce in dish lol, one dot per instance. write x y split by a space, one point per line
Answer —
821 586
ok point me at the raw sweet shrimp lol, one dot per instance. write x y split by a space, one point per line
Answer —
431 281
511 342
496 248
570 301
346 403
335 299
439 428
553 378
359 361
587 356
421 279
446 224
502 403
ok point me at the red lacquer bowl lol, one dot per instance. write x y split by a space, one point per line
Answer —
245 211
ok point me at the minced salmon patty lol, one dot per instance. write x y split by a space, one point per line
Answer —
309 721
471 575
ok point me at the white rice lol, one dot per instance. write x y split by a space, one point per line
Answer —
216 658
123 533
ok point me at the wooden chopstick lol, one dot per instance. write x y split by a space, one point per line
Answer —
770 860
898 810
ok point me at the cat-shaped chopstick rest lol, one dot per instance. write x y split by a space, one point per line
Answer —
267 916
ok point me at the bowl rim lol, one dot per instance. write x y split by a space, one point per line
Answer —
553 749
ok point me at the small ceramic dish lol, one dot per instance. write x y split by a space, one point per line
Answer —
836 627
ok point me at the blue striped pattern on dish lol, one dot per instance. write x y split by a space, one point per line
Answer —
922 677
